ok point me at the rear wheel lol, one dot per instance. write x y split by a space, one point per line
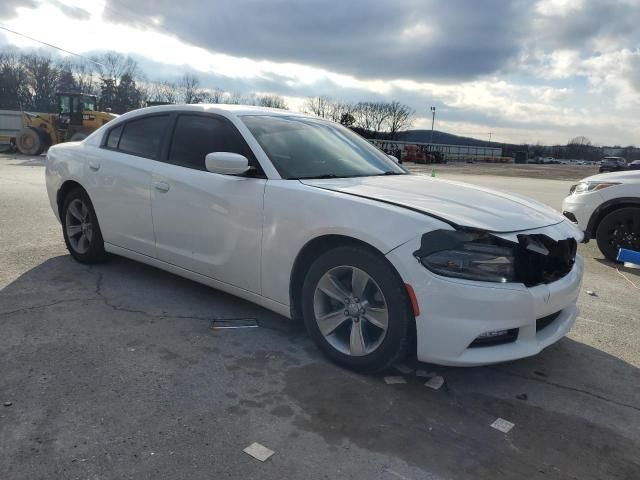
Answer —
619 229
30 141
80 228
356 309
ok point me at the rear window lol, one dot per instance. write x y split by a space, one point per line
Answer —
143 137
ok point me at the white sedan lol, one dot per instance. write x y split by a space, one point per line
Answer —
306 218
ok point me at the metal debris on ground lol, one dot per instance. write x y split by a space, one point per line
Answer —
403 369
522 396
503 425
592 293
258 451
394 380
435 382
230 323
425 374
7 404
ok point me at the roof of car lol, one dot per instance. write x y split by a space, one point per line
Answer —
218 108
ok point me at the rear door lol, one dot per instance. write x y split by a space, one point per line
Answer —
205 222
119 181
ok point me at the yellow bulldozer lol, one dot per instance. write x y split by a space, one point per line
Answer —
77 117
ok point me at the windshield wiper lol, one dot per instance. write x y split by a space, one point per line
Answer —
391 173
326 175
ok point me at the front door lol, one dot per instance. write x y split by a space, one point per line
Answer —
208 223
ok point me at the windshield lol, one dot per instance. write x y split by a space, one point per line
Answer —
307 148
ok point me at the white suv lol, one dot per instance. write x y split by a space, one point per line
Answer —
607 207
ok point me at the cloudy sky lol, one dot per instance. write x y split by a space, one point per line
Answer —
525 70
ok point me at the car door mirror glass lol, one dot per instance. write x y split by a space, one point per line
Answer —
226 163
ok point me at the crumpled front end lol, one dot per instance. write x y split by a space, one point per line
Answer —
467 322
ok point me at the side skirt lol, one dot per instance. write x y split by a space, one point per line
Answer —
267 303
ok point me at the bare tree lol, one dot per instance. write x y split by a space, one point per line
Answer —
365 116
578 148
190 88
234 98
114 66
87 77
162 92
14 92
42 80
214 95
400 118
320 106
380 112
272 101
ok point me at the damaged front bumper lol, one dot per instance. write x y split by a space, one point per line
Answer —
467 322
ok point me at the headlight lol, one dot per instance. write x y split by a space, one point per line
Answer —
587 187
469 256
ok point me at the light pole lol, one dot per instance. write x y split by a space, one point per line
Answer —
433 120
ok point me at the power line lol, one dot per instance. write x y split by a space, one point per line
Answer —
50 45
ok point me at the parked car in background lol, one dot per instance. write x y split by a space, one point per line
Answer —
308 219
635 165
607 207
612 164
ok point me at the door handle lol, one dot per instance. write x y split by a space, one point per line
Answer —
95 166
162 186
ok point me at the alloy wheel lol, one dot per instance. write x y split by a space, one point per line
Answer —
350 311
79 226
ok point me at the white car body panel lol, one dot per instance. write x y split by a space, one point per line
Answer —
242 235
119 186
210 224
460 203
583 205
295 214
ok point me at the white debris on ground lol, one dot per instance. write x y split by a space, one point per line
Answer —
394 380
592 293
503 425
435 382
258 451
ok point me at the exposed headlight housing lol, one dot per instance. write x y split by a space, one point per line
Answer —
469 255
476 255
473 261
588 187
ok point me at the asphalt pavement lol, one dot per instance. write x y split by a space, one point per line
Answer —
114 372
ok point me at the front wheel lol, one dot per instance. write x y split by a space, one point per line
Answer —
80 228
356 309
30 141
619 229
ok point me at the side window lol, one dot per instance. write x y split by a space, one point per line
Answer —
114 137
196 135
143 137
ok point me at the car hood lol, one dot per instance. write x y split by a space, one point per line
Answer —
628 176
459 203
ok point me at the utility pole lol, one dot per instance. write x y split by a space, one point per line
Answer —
490 133
433 120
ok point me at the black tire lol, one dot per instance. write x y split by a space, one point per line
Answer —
401 321
29 141
619 229
95 252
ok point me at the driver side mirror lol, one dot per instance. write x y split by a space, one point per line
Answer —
395 159
226 163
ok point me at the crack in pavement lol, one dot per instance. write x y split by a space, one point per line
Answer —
566 387
45 305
